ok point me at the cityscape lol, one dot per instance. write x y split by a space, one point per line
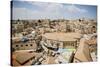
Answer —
52 33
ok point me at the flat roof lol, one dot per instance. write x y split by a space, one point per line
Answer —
83 53
62 36
22 56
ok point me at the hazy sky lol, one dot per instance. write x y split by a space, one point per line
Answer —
42 10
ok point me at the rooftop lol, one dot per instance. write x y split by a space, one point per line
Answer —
22 57
83 53
62 36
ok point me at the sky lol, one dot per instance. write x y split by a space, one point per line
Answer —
48 10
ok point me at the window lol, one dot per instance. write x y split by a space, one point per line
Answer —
26 45
16 45
31 39
31 45
21 45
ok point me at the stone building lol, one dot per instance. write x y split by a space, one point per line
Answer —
83 53
69 40
23 45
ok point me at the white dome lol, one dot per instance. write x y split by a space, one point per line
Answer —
33 32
